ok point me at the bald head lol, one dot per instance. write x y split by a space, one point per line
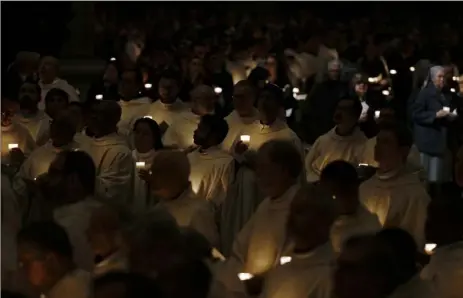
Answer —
203 100
244 97
170 173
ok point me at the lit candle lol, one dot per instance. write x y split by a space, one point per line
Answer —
140 164
112 59
393 71
99 96
296 90
371 80
386 92
245 138
363 165
245 276
12 146
377 114
447 109
217 90
412 69
455 78
452 90
429 248
217 255
285 260
148 86
289 112
149 117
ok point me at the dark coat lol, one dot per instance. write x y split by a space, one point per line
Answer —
430 133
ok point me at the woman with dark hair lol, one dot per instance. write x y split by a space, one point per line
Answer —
147 139
106 87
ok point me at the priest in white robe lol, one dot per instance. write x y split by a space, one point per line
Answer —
105 235
344 142
76 114
394 194
258 246
36 121
168 106
387 117
13 133
340 180
444 228
58 276
212 168
306 270
243 114
147 139
49 79
62 133
111 155
180 133
170 183
133 105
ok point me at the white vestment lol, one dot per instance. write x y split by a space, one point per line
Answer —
75 219
16 134
180 133
211 173
415 288
114 168
306 275
445 270
37 125
75 284
189 210
236 125
57 84
258 246
399 200
82 140
330 147
141 193
413 159
131 111
346 226
164 114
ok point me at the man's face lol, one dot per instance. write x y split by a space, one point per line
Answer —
201 134
439 79
344 113
128 85
243 100
48 69
60 135
55 105
334 73
8 111
361 88
28 96
168 89
388 153
33 265
268 108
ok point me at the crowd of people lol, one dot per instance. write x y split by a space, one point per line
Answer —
225 158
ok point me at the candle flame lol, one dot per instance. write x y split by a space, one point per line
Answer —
285 260
245 276
12 146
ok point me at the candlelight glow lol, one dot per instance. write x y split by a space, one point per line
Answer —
429 248
377 114
299 97
148 117
393 71
245 276
447 109
140 164
386 92
112 59
217 255
285 260
412 69
217 90
245 138
452 90
99 96
455 78
12 146
295 90
363 165
289 112
148 86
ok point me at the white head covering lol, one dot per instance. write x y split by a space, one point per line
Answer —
433 71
